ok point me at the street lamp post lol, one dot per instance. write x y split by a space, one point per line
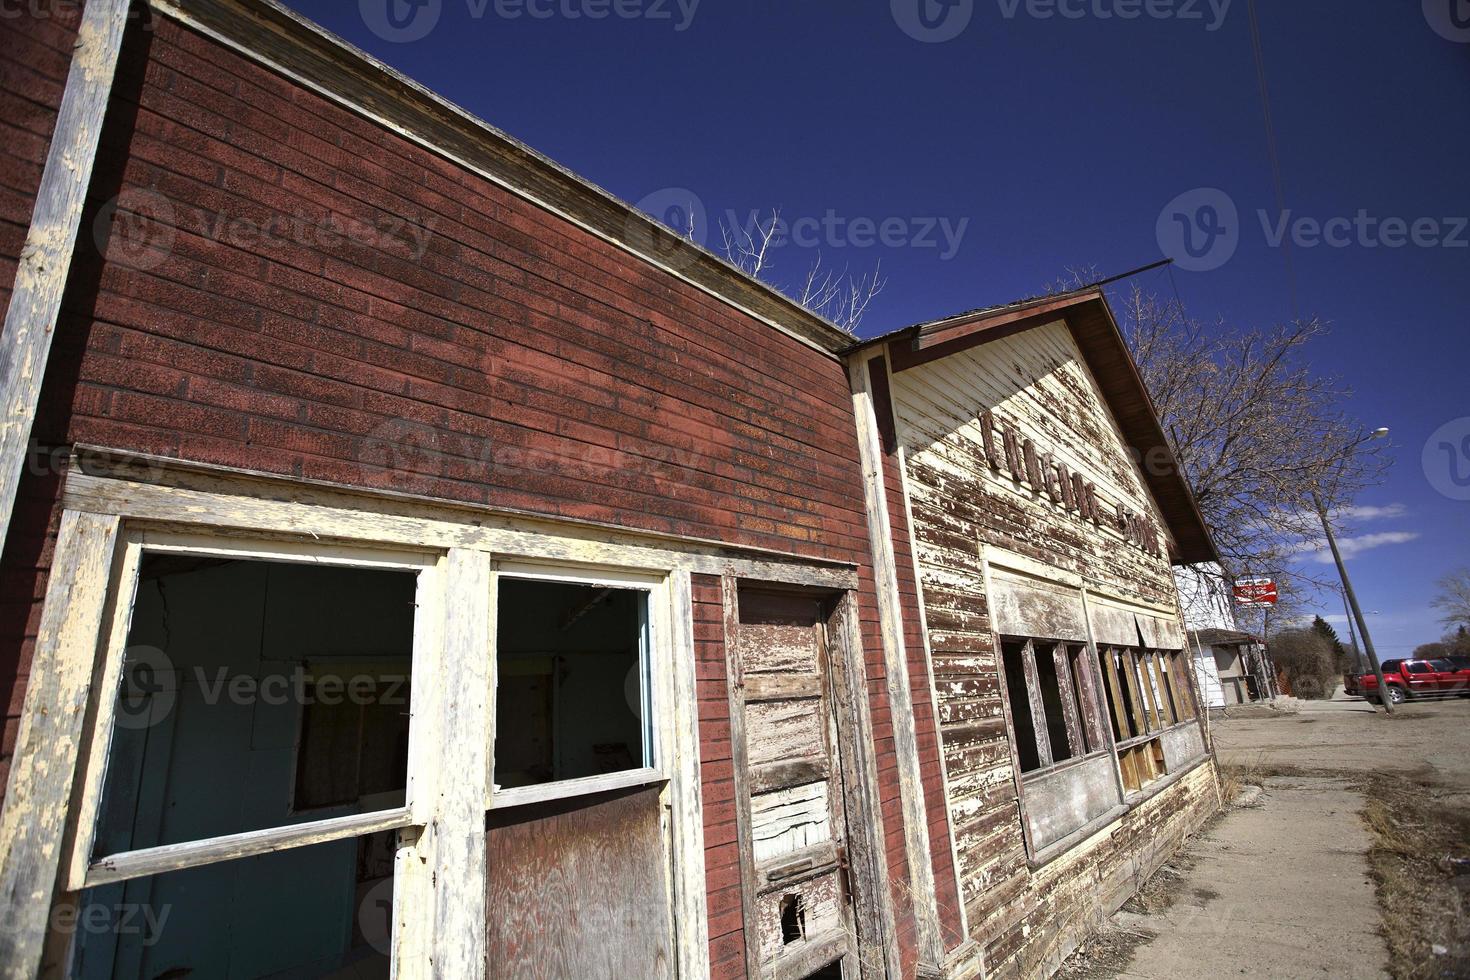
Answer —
1347 590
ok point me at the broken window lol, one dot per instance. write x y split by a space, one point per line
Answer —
573 698
257 693
1021 721
1179 666
1146 693
1047 692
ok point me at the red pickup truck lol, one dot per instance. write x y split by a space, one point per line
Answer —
1414 679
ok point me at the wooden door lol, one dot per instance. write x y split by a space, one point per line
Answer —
796 890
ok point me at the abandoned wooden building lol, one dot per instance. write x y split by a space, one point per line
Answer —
417 560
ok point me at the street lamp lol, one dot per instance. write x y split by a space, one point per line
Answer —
1347 585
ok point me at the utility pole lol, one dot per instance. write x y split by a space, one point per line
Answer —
1353 636
1347 590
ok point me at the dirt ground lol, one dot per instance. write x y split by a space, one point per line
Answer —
1353 860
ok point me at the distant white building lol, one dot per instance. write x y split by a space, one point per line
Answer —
1229 665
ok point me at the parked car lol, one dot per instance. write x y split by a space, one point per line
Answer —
1408 679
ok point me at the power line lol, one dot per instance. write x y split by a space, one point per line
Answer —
1271 151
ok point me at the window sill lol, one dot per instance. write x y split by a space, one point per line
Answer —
563 789
1164 782
1138 740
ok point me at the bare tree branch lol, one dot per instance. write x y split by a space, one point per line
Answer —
836 296
1255 429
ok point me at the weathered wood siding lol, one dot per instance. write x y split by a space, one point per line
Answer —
926 725
518 361
34 59
1036 385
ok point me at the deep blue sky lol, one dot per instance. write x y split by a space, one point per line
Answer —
1059 140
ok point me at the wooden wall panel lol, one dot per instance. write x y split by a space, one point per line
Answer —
1033 385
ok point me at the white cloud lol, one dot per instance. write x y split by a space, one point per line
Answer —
1370 513
1352 547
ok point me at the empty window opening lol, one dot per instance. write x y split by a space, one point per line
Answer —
1051 700
318 911
255 694
252 689
1021 720
793 919
573 696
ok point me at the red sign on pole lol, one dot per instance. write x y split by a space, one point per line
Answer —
1255 593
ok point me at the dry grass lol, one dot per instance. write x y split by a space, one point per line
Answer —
1420 863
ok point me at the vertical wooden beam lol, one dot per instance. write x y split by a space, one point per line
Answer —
877 952
1130 676
439 902
1038 705
890 619
33 824
1062 664
1140 664
932 695
1160 662
740 773
1093 711
45 259
686 806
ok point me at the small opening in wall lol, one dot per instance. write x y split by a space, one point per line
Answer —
793 919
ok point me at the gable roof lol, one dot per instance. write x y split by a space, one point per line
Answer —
1096 333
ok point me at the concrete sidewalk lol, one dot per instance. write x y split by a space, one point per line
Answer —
1276 889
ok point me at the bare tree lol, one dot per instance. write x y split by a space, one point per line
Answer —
836 296
1255 430
1454 598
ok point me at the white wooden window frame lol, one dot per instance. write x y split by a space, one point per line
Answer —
657 685
433 658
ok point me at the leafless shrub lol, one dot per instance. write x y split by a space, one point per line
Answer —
1308 661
